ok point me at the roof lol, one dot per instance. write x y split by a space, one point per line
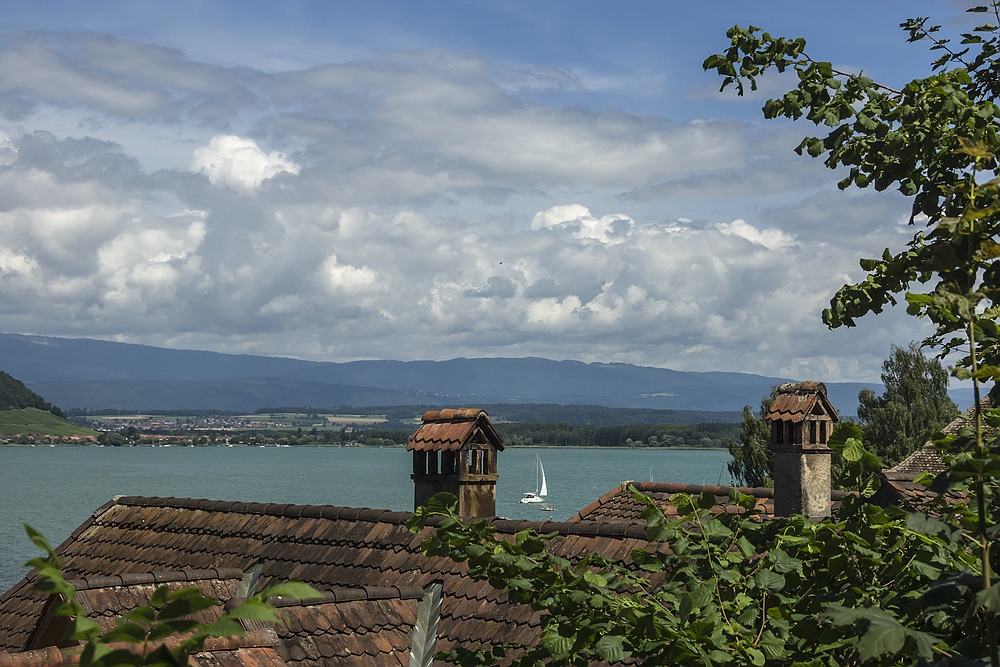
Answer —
256 649
927 458
914 496
453 429
794 402
365 553
619 505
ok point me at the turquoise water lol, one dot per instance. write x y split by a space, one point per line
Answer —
56 489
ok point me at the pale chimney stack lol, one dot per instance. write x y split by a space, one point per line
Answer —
801 419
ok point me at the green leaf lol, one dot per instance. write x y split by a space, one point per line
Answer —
769 581
713 528
226 626
126 632
989 598
612 648
185 606
292 589
781 562
254 610
556 644
142 614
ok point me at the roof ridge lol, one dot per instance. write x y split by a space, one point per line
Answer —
350 594
333 512
155 577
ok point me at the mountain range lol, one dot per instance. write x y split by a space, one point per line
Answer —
95 374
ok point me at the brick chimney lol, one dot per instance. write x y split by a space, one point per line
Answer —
456 451
801 419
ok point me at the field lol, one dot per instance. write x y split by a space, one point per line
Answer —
33 420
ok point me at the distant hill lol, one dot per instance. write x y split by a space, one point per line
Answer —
41 422
91 374
14 396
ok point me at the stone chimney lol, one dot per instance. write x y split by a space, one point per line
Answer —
456 451
801 419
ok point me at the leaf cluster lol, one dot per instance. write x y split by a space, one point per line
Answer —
719 588
158 634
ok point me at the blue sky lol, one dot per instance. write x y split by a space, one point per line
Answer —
334 180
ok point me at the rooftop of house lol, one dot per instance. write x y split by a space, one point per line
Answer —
618 504
332 548
899 482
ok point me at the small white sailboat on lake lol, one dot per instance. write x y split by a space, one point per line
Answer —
538 495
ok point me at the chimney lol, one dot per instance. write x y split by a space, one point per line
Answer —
456 451
801 419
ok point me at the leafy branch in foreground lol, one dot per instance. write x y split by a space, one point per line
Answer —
158 634
875 585
936 140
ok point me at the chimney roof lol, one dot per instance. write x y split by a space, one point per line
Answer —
794 402
452 429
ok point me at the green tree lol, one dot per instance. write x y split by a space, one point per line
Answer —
752 460
914 405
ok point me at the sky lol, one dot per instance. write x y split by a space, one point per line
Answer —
431 180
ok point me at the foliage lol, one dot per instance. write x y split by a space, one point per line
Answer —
913 407
936 139
148 627
855 468
732 589
15 396
752 463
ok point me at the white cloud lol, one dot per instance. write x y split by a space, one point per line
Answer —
433 213
576 221
239 162
769 238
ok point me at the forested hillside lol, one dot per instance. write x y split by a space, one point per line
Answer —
15 396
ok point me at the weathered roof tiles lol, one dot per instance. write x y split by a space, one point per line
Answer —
453 429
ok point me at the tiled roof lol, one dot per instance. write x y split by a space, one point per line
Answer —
331 548
452 429
252 650
927 458
915 496
106 598
794 402
351 629
619 505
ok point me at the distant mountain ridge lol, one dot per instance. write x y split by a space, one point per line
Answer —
93 374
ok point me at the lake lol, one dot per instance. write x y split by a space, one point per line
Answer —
56 488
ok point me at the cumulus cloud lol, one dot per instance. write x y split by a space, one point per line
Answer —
769 238
239 162
411 206
576 221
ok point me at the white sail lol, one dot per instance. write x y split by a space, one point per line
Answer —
540 491
544 490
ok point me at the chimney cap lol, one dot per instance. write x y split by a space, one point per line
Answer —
797 401
453 429
453 415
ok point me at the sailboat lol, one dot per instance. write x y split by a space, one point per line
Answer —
538 495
